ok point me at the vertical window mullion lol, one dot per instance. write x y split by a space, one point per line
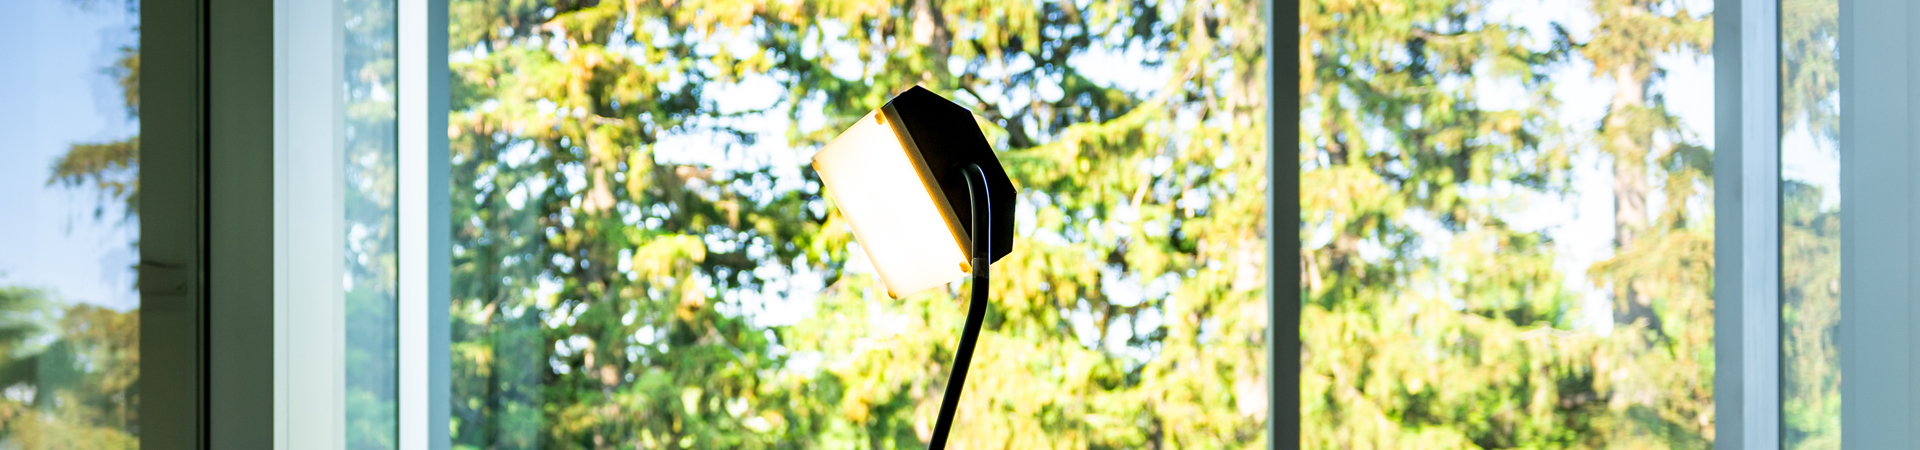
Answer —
1760 220
1878 215
1283 221
1760 217
310 240
1748 275
423 221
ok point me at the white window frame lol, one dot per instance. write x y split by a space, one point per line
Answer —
1880 251
425 217
309 338
309 226
1746 187
1879 165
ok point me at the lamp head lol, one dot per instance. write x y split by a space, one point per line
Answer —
893 176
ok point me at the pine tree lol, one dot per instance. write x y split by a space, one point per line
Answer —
629 266
1660 275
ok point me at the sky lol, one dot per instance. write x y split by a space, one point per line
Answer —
53 93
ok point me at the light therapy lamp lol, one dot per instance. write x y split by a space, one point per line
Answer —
927 200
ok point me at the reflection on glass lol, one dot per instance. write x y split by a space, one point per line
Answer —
371 266
642 257
69 314
1810 224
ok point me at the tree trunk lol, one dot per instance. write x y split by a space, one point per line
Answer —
1629 141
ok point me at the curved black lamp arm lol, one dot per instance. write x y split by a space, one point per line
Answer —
982 241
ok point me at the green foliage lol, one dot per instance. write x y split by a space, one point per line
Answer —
601 287
22 313
1430 321
602 290
1661 272
1810 316
1407 347
1809 65
605 283
110 168
75 387
555 189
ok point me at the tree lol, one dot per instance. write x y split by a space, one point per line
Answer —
1429 321
1131 313
587 296
1661 272
78 389
111 168
606 278
577 235
1435 323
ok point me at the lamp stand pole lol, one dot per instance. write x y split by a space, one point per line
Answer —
982 243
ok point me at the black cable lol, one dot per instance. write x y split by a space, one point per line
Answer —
982 243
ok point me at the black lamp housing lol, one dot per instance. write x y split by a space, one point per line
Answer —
947 139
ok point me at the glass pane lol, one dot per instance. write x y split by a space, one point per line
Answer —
643 257
372 304
1810 224
69 313
1507 224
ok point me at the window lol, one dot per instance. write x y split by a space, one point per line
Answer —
369 208
643 257
1516 227
1507 224
337 224
69 312
1810 261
